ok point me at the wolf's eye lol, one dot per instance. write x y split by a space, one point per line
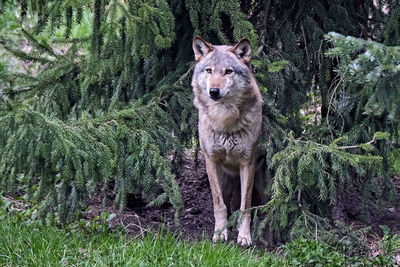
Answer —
208 70
228 71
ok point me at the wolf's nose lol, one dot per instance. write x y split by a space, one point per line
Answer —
214 93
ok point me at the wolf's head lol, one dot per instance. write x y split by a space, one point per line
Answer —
222 72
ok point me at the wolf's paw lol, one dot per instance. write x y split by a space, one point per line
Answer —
220 235
244 240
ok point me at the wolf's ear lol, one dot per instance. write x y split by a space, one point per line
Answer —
201 48
243 50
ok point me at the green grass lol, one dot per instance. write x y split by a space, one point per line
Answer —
26 242
32 244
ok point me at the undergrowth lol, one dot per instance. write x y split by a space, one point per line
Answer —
28 242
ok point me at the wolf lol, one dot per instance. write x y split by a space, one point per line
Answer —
229 105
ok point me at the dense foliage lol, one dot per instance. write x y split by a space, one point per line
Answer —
107 103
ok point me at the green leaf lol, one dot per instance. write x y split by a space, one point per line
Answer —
367 147
277 65
381 136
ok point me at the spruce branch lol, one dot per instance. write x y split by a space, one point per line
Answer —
373 140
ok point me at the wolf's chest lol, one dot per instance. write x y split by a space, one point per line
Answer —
228 146
230 143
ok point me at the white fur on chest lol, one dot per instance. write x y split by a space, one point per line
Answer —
228 135
224 117
226 147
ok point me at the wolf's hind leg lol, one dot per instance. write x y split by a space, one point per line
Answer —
226 188
220 211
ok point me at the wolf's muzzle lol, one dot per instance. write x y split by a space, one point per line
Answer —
215 94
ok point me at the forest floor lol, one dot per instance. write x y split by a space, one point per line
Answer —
197 220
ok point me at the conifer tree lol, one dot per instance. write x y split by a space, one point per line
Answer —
107 111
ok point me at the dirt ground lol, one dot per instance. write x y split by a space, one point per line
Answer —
196 219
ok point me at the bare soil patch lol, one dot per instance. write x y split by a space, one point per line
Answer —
195 221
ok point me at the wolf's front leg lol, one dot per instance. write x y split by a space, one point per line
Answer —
220 211
246 188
